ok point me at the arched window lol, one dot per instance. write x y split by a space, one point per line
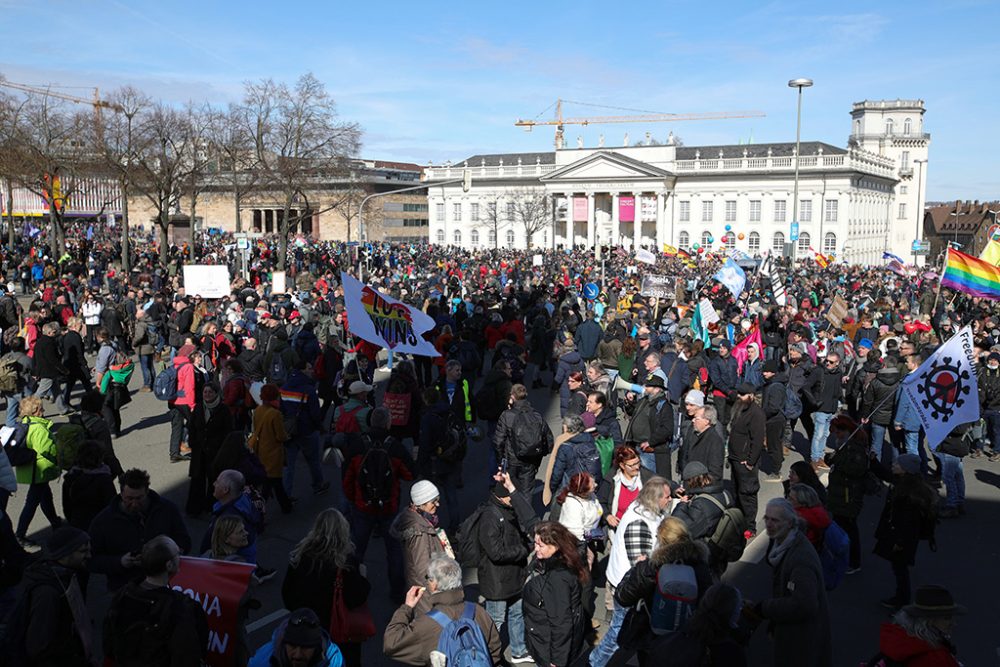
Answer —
474 237
730 240
857 128
683 240
706 238
510 238
440 236
907 126
753 242
493 238
778 243
804 242
457 237
889 124
829 243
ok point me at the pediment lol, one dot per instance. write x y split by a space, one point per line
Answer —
606 165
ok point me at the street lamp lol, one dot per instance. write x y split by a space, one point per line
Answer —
920 182
799 83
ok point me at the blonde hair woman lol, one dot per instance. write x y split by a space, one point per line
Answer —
228 536
40 472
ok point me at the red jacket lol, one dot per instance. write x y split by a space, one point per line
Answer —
895 644
186 392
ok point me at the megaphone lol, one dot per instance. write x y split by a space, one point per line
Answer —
622 385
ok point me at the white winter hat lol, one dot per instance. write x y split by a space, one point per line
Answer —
423 492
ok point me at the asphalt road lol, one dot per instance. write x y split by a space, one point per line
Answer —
965 560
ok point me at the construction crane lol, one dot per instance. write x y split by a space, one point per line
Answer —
646 117
96 101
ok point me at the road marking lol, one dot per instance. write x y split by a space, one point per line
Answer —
267 620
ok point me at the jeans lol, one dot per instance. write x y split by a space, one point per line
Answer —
821 432
883 449
602 653
39 494
362 527
912 441
515 630
953 478
146 364
13 410
50 386
648 461
308 444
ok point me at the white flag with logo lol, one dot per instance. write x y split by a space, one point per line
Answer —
945 390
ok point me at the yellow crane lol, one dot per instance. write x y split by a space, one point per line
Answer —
645 117
96 101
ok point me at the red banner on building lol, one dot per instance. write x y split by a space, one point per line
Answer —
581 211
626 208
218 586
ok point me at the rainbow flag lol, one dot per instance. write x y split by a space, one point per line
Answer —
975 277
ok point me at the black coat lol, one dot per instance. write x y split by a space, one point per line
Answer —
504 438
905 519
700 514
773 401
708 448
878 402
72 355
494 395
85 494
651 425
48 358
51 640
553 614
503 546
253 364
824 389
112 321
746 434
310 584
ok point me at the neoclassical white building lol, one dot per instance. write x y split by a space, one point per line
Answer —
855 202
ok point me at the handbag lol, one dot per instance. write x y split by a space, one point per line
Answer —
349 625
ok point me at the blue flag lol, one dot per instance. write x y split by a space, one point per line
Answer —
733 277
889 255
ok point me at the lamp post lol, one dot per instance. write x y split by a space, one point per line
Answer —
920 182
799 83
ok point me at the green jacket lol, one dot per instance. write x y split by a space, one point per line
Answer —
39 439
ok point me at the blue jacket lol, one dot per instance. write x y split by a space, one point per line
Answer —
568 363
906 414
723 373
298 397
266 654
573 457
243 508
678 375
588 335
752 373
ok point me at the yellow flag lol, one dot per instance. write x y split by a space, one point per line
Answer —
991 253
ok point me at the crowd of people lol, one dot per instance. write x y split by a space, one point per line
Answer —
648 489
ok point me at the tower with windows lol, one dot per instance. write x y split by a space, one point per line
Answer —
895 129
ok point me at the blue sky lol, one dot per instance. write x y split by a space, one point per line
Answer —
431 81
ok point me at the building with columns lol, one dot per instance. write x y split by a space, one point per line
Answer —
737 196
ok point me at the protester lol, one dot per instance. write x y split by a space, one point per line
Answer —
39 474
746 443
299 641
416 528
920 633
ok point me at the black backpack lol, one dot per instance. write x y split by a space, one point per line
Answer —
456 444
138 626
529 435
376 478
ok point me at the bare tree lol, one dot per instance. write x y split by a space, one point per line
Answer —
9 111
232 147
533 211
494 213
197 133
298 138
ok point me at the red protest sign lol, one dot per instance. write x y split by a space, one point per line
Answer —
218 586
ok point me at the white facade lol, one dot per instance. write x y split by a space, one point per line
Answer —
687 195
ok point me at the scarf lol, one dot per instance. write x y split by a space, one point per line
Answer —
778 550
630 484
211 406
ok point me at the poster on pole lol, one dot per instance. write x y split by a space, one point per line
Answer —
278 282
206 280
838 311
217 586
385 321
661 287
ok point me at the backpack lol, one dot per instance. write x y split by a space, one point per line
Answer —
469 552
727 540
376 478
792 409
9 334
462 641
278 371
165 384
453 451
529 436
606 449
67 438
9 373
139 627
834 555
347 422
16 446
674 598
588 461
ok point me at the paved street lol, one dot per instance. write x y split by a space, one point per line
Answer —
967 545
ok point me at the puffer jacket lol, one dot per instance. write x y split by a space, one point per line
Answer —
420 542
39 439
879 399
271 654
905 649
503 546
553 614
607 425
640 582
724 373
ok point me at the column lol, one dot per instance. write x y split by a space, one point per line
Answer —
570 224
661 236
591 222
636 220
616 223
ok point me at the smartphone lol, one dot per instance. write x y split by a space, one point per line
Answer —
503 466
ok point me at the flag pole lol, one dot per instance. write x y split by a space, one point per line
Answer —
944 265
749 292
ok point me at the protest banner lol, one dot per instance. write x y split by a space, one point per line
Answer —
218 586
278 282
538 260
384 321
837 312
661 287
206 280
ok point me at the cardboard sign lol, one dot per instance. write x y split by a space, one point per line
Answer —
206 280
661 287
838 311
278 282
218 586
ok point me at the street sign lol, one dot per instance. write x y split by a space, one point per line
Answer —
794 233
243 243
921 247
590 291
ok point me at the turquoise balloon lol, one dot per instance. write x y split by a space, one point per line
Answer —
697 245
711 240
729 228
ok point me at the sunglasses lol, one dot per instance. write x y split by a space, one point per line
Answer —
831 362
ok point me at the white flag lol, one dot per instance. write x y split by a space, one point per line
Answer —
643 255
945 390
384 321
777 283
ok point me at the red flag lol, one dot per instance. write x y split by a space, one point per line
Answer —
740 349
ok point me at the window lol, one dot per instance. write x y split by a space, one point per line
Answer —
778 243
829 243
902 189
754 210
493 238
904 160
753 242
804 242
706 211
456 212
474 237
685 211
510 237
857 127
475 211
415 208
457 236
907 126
730 240
902 211
730 211
889 126
683 240
440 234
439 212
510 210
831 210
706 238
780 208
805 210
